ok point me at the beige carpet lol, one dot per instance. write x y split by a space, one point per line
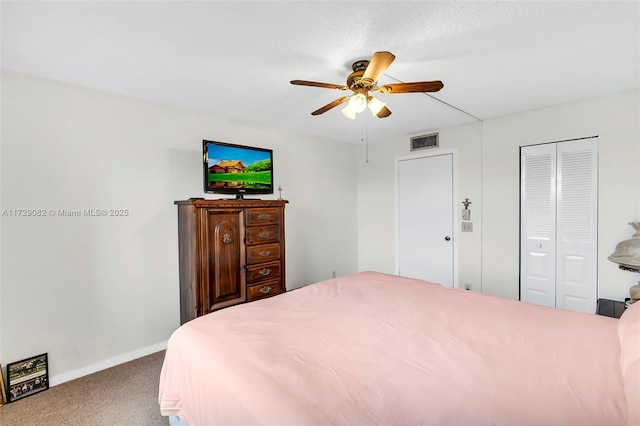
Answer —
126 394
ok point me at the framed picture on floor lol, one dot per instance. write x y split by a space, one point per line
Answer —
3 395
27 377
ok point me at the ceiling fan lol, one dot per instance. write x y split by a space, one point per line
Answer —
362 81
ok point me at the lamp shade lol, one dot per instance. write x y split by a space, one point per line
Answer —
349 113
627 253
375 105
357 102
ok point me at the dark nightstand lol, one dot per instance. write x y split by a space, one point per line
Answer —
610 308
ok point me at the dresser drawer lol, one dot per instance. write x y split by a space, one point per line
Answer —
263 272
263 216
263 234
266 289
263 253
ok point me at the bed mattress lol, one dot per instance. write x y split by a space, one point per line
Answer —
372 348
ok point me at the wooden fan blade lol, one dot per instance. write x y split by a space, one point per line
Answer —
328 106
378 65
384 112
419 86
316 84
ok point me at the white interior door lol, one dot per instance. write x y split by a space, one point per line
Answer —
425 217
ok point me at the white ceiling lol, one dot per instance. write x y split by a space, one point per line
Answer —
236 58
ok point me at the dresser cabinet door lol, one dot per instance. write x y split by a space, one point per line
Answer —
224 278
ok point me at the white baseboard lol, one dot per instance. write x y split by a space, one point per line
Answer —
107 363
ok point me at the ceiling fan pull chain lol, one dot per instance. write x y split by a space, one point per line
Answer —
365 136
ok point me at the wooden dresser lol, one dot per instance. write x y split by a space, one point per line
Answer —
230 252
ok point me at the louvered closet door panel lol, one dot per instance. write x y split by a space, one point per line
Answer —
538 224
576 274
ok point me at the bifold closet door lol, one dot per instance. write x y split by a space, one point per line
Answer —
559 219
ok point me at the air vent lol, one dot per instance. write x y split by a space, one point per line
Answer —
424 141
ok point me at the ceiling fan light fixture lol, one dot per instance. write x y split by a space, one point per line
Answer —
349 113
375 105
357 102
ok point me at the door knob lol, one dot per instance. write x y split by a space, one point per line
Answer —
447 238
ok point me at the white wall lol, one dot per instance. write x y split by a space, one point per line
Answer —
489 177
615 120
92 290
376 201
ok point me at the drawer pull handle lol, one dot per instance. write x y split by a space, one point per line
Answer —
264 235
263 216
265 290
265 271
264 253
226 238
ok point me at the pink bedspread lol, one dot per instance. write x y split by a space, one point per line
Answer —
372 348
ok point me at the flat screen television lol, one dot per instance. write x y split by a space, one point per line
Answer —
236 169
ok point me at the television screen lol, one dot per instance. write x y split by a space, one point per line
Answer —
237 169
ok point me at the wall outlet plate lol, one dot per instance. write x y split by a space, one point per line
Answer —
467 226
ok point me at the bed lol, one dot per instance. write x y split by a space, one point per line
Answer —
372 348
